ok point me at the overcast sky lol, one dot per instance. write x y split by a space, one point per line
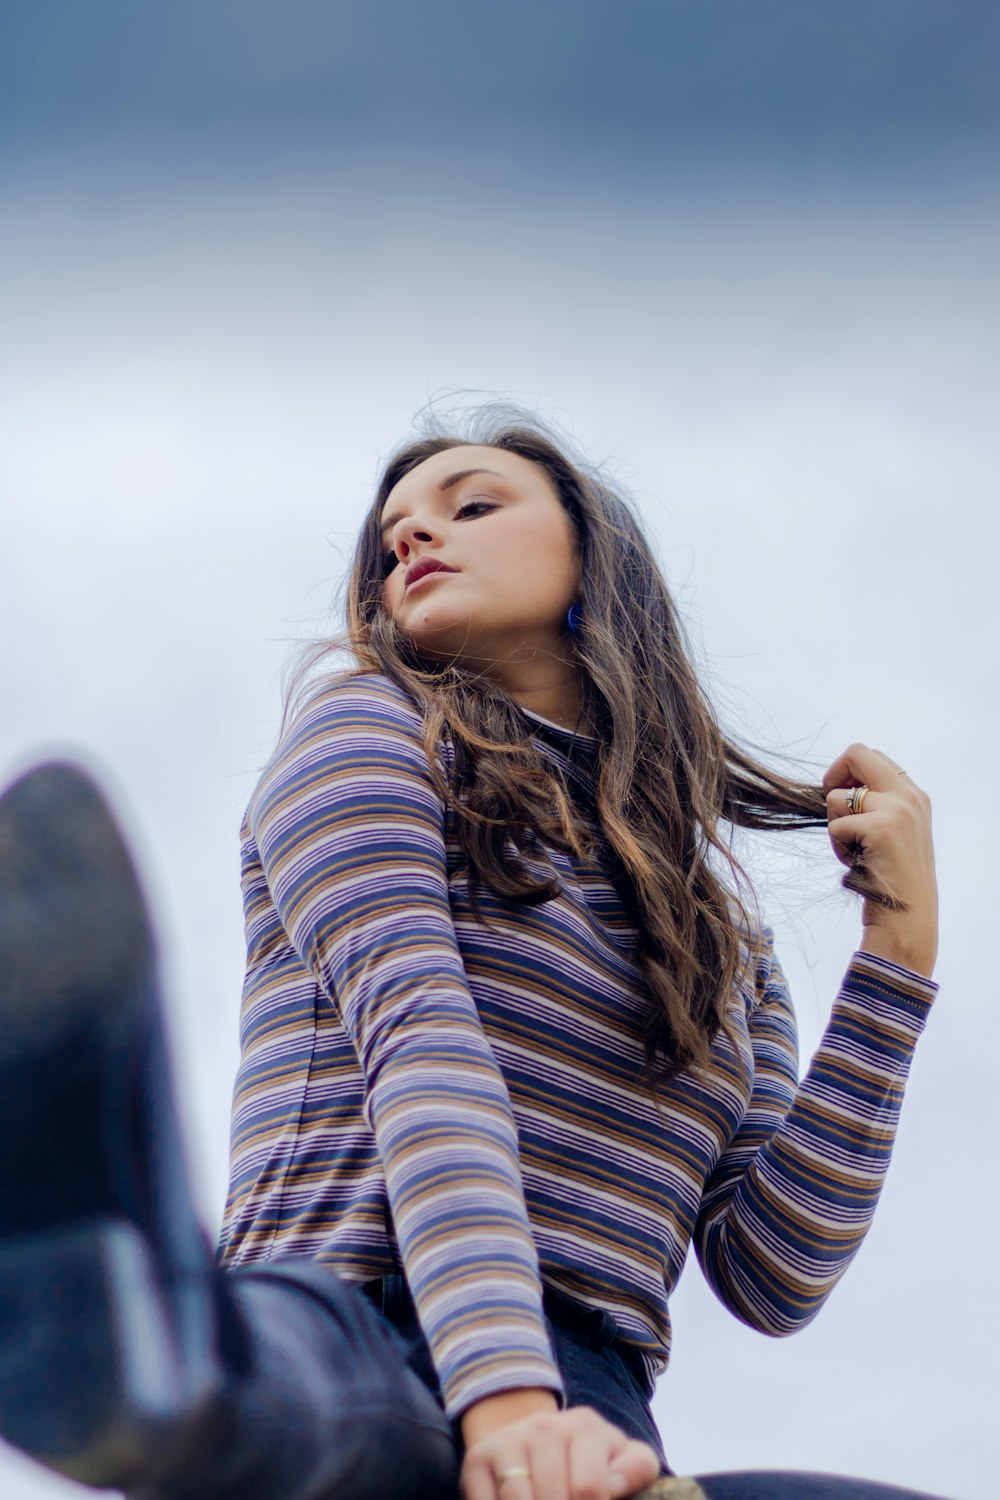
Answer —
745 254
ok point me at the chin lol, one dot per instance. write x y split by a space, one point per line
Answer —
429 622
440 639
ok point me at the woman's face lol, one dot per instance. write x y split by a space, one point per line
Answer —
481 558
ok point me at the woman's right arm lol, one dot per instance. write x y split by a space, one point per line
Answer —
350 830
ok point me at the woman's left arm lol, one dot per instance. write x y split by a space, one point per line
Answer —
793 1195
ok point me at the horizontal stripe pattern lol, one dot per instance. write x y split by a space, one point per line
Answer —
456 1095
786 1209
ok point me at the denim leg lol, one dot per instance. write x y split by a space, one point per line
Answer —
319 1404
598 1371
597 1374
784 1485
595 1371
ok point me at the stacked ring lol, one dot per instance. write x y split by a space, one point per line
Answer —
856 798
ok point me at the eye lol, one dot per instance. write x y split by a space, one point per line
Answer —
475 508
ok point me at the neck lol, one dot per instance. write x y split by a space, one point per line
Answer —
548 686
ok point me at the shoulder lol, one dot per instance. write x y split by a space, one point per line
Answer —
361 709
350 728
355 699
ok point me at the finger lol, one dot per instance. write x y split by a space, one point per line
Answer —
482 1476
637 1463
547 1457
862 765
865 833
842 802
851 833
515 1481
858 844
847 838
476 1482
588 1459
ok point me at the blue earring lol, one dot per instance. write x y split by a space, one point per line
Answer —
574 618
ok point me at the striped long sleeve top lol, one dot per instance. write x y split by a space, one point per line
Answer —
455 1095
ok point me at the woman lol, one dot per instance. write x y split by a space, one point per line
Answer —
512 1037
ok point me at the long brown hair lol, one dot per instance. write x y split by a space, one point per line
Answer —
669 779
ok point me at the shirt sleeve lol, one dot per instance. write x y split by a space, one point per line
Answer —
350 829
793 1195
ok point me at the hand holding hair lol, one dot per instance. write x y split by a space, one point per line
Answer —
880 828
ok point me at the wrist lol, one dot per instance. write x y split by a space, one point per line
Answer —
917 953
483 1418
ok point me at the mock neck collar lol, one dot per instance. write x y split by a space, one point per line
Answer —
569 735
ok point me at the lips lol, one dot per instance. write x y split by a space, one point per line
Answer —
421 568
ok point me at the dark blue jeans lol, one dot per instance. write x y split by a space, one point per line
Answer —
600 1371
597 1370
332 1396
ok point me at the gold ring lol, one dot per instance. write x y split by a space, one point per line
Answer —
513 1474
900 773
859 798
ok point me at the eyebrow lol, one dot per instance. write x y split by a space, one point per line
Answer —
446 484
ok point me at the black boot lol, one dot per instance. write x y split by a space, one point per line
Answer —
127 1358
107 1324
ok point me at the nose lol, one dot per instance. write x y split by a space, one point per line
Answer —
411 534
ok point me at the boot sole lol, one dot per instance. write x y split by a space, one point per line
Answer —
87 1382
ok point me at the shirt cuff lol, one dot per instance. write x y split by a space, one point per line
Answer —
492 1376
884 1002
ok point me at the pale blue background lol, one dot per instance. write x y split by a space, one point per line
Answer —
747 254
